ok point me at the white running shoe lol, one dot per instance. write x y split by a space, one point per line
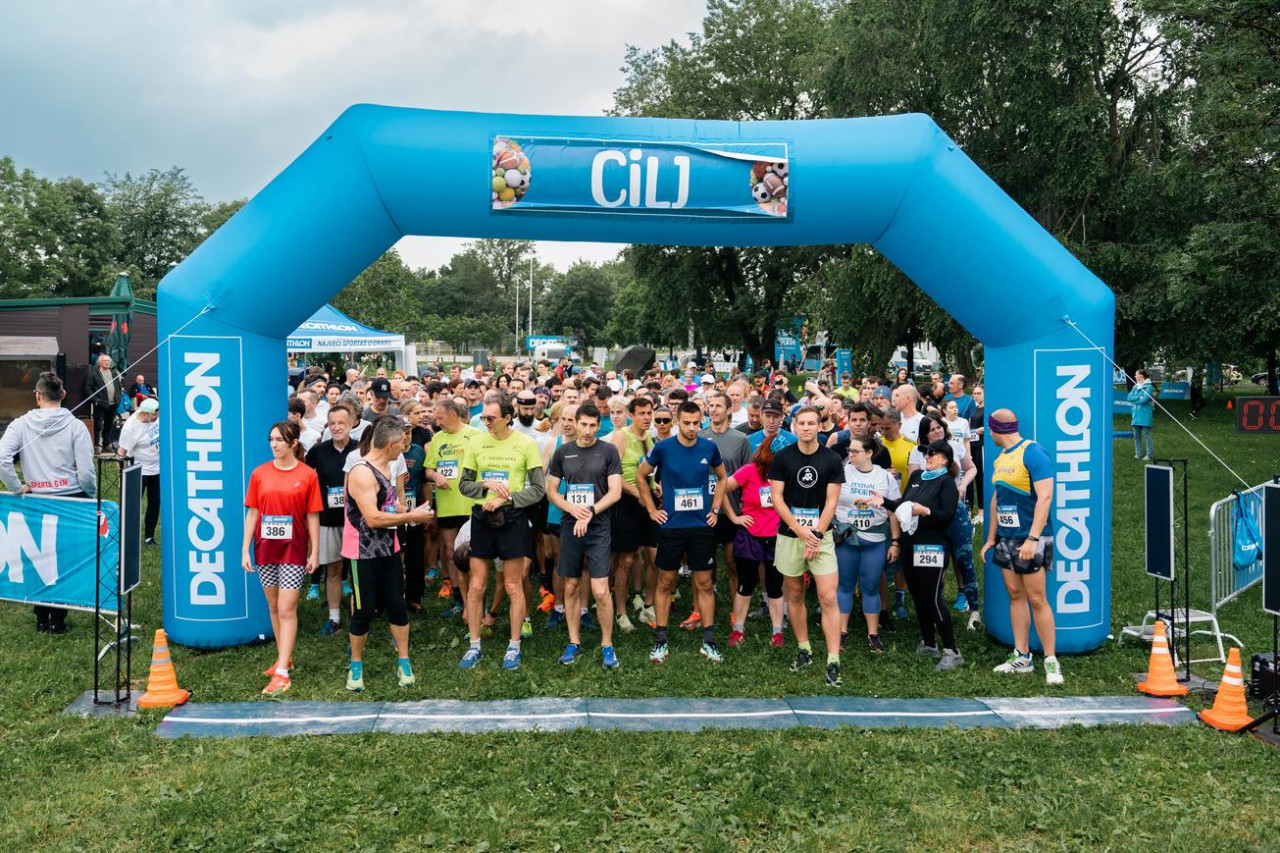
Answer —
975 618
1052 671
1018 663
625 624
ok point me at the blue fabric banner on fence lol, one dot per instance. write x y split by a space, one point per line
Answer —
49 546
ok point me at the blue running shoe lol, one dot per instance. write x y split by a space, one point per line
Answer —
556 619
313 592
470 659
962 603
433 575
346 587
511 660
900 611
609 658
588 624
570 656
450 612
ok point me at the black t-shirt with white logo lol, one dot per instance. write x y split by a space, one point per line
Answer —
328 463
805 478
585 472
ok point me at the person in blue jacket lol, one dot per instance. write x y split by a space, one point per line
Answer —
1143 398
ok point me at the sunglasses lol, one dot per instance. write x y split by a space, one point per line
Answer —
662 420
488 418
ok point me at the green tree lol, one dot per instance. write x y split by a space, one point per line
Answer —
160 218
383 296
580 303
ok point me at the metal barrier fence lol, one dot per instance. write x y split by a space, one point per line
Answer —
1225 580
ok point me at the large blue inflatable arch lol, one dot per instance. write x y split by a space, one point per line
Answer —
378 174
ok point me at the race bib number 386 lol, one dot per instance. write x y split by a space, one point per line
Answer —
276 527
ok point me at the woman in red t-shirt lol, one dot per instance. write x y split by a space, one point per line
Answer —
281 537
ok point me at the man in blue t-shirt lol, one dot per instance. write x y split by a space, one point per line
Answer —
965 405
1021 534
771 415
685 464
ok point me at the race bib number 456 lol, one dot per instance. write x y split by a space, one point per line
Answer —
1006 515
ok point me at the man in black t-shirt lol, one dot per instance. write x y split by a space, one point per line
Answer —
591 474
327 459
805 479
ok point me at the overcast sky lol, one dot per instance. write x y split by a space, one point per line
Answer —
233 90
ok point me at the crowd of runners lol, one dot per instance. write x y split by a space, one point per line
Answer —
593 495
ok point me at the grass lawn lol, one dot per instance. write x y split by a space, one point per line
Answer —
111 784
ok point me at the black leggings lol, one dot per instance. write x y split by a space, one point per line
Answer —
377 582
925 585
151 486
749 578
415 543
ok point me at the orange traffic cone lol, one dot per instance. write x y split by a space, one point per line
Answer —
162 684
1230 711
1161 680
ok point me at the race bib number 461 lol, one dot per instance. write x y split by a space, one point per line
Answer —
689 500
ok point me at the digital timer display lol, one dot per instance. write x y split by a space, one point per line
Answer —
1258 414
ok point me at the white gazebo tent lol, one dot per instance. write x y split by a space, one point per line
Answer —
329 330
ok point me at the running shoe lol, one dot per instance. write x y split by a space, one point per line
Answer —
548 602
736 638
1021 664
271 670
404 674
693 622
329 628
977 517
875 644
962 603
346 587
470 659
900 610
608 658
570 656
446 589
637 602
928 651
833 676
649 617
414 606
659 653
313 592
278 685
844 641
1052 671
526 629
625 625
588 624
761 612
711 652
451 611
775 641
433 575
511 660
804 660
950 660
355 677
974 618
556 619
685 572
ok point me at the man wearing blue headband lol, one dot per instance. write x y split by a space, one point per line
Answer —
1021 532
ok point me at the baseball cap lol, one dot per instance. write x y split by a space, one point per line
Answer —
772 406
708 380
615 386
473 382
526 398
151 404
381 388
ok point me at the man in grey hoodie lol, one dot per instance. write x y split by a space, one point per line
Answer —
57 459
